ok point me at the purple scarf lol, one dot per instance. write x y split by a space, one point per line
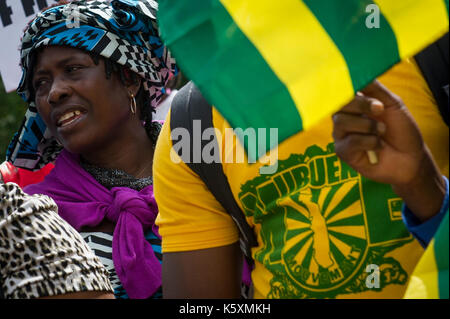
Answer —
82 201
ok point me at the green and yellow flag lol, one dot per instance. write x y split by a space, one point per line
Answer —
286 64
430 278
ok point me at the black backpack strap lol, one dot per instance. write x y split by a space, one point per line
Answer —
188 106
433 62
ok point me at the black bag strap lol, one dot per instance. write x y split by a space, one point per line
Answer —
188 106
433 62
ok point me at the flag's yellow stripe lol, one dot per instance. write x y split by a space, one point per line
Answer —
424 280
299 51
415 23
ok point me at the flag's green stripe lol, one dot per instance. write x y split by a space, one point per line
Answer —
442 258
446 4
258 95
368 52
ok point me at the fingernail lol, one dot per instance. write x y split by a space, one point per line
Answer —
376 107
381 128
373 158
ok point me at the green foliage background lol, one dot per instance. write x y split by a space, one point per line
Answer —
12 110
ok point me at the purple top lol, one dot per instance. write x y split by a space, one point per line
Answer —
82 201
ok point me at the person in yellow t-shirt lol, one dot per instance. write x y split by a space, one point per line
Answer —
323 230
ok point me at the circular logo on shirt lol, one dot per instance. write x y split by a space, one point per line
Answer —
326 239
320 224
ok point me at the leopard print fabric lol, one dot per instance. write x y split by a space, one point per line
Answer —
41 254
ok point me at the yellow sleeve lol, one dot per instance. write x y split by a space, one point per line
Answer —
189 218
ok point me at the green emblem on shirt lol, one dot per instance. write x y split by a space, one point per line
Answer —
322 224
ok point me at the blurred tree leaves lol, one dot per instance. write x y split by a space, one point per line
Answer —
12 110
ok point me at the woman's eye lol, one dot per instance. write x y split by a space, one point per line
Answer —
39 83
73 68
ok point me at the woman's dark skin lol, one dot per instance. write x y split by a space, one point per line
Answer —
378 120
89 114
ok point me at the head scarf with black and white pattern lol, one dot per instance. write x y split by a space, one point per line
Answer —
124 31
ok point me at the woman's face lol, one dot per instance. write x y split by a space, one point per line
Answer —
83 110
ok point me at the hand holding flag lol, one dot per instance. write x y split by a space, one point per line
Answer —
378 120
288 64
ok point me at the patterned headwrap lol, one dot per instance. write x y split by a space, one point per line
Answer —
123 31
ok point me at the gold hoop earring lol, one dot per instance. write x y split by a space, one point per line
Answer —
133 104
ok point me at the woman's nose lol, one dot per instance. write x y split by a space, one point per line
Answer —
58 92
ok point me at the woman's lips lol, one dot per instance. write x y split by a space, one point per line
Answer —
69 119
